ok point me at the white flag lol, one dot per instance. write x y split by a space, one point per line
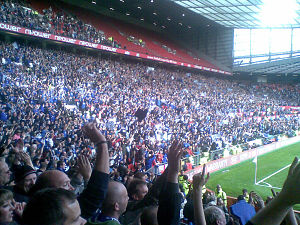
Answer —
255 160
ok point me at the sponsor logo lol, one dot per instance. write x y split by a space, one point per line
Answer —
10 27
65 39
88 44
107 48
37 33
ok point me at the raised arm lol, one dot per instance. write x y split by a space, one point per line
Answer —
94 194
199 180
102 157
277 209
174 156
290 217
170 198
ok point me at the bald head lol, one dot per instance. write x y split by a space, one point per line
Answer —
116 198
53 179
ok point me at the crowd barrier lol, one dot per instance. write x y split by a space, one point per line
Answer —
158 168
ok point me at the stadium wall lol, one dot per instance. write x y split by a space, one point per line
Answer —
217 43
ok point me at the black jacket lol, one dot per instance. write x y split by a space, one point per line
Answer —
94 194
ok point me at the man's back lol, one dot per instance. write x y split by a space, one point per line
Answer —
243 211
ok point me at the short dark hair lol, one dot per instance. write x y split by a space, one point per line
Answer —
46 207
41 183
139 175
149 216
132 188
240 197
209 197
60 163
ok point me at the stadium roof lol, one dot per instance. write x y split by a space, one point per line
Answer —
247 13
160 15
285 66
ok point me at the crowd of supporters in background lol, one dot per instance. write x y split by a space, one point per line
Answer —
79 133
54 22
48 95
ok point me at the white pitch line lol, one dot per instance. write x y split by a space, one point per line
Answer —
268 186
273 174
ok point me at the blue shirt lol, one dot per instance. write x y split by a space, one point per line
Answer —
243 211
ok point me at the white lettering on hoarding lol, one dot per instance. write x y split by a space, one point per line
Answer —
88 44
65 39
234 159
217 165
37 33
107 48
10 27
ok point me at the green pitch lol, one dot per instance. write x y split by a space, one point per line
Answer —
272 169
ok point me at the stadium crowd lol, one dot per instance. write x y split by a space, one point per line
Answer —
79 133
57 22
48 95
53 93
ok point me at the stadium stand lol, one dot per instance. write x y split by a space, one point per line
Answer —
105 30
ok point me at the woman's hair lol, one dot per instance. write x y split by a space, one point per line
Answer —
5 195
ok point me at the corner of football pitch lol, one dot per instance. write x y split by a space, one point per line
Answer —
272 170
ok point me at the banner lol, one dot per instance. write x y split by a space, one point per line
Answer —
21 30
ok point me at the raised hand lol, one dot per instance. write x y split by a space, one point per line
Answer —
19 208
174 156
19 146
84 167
25 158
199 180
276 210
291 191
102 157
93 133
259 202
